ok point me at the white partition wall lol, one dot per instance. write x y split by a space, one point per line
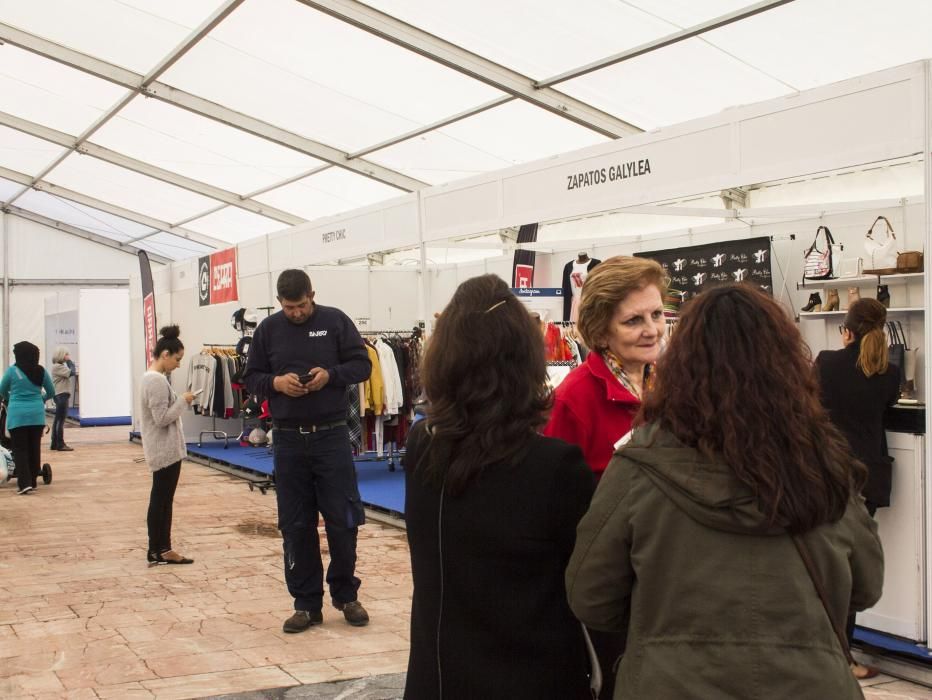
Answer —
105 351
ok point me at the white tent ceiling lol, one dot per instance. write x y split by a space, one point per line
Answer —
180 126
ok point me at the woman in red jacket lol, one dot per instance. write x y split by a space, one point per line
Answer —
621 321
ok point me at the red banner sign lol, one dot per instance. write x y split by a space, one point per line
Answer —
216 278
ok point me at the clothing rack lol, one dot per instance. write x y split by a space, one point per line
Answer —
213 432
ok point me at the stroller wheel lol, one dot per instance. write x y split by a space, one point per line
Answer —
46 473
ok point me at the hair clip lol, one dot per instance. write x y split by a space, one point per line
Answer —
495 306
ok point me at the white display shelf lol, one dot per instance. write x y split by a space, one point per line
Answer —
861 280
890 312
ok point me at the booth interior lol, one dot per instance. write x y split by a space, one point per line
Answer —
753 184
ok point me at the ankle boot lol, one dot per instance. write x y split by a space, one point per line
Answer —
883 295
815 303
832 302
854 293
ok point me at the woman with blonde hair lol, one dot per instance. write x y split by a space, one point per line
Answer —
62 372
858 385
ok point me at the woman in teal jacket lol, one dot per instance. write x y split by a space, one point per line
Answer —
22 389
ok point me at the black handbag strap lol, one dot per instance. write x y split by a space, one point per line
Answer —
815 241
870 231
820 589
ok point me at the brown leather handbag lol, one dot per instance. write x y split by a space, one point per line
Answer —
909 261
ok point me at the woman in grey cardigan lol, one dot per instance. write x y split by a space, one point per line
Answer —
163 442
62 372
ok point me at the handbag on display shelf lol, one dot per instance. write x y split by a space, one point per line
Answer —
848 267
897 350
881 255
909 261
818 263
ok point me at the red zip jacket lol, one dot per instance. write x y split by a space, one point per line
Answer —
592 410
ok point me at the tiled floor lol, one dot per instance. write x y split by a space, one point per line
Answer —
82 616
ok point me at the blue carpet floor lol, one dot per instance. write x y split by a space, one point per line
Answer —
378 487
888 643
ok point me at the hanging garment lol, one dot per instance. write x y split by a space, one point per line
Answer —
390 377
353 418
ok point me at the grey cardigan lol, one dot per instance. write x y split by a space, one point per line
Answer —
61 378
160 421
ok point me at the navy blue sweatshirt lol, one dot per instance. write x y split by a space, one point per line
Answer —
326 339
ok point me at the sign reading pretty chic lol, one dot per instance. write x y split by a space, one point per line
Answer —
599 176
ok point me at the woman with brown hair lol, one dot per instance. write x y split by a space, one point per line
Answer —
858 386
491 511
621 322
687 545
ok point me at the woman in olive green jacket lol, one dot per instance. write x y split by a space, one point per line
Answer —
686 545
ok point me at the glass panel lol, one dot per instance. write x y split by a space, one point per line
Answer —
135 34
200 148
302 70
51 94
687 80
127 189
537 39
330 192
513 133
234 225
86 218
26 154
172 246
812 43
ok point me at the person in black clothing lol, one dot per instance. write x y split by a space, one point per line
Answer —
302 359
858 386
491 511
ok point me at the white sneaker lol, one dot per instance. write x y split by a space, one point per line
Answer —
26 489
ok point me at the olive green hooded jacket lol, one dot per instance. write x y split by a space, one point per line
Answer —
716 604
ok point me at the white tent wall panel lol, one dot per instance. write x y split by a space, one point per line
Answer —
393 299
41 252
348 289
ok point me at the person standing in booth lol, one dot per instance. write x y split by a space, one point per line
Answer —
858 386
25 387
163 442
302 358
62 372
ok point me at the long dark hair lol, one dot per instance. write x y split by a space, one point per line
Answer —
169 340
736 382
27 360
484 374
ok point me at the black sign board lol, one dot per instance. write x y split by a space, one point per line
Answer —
693 268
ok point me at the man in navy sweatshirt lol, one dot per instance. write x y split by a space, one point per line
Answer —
302 358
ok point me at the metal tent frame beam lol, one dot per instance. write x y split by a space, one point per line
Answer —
81 233
128 214
105 154
205 108
190 42
475 66
662 42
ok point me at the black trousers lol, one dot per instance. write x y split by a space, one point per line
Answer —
58 425
161 498
27 454
850 622
314 473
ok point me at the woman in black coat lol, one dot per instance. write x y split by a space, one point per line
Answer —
491 511
858 386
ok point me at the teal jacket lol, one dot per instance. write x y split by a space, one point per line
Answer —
24 400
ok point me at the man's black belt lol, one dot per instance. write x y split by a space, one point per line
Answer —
305 428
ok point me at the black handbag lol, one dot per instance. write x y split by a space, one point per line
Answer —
896 352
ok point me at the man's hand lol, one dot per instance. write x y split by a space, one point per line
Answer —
289 385
321 377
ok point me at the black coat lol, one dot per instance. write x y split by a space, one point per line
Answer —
857 405
506 629
567 288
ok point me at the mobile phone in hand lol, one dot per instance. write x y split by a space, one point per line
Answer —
305 378
198 392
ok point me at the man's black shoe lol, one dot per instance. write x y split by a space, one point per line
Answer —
301 620
354 613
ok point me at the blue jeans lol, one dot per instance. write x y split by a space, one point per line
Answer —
314 473
58 425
